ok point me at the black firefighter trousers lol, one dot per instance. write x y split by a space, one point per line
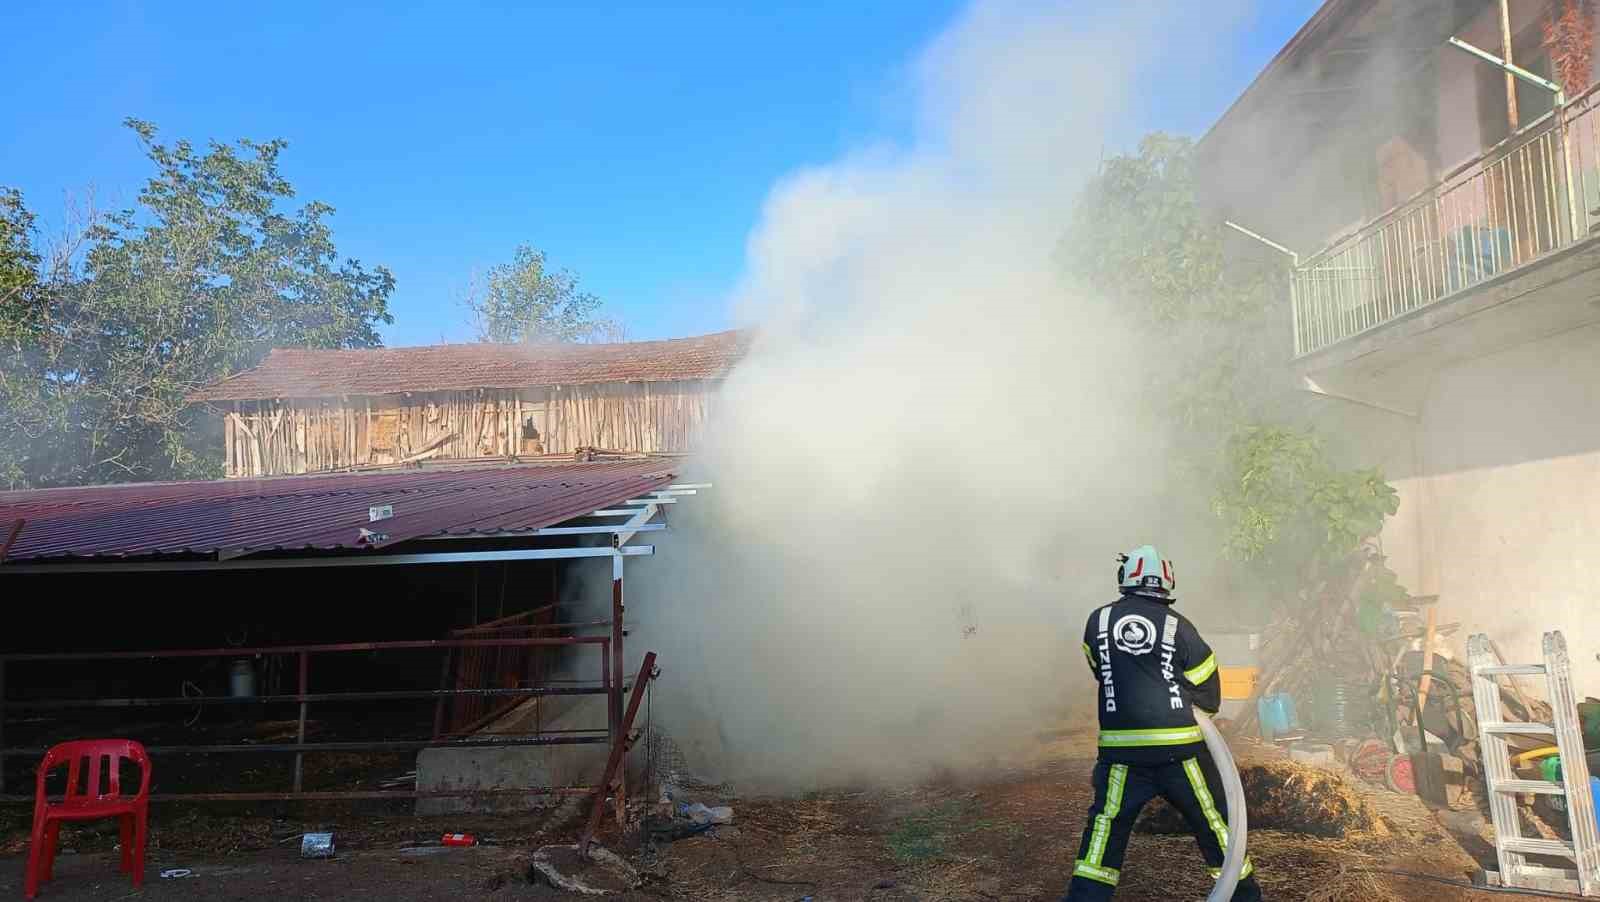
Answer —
1193 787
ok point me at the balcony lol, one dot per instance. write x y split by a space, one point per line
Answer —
1531 196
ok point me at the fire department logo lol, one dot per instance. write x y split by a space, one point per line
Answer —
1134 634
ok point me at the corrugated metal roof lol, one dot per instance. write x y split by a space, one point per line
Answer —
312 512
460 367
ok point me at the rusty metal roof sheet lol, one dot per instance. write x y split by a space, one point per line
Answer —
325 512
460 367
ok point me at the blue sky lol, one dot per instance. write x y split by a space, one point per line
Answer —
634 144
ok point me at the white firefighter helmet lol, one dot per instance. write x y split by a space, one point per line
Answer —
1144 571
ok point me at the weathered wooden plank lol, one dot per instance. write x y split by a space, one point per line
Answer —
230 466
276 437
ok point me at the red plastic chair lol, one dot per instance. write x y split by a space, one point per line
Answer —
90 804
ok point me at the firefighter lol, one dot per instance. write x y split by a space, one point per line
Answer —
1152 666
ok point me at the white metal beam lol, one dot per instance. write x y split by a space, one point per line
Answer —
1308 384
1267 241
634 526
591 530
1511 68
359 560
1574 211
546 531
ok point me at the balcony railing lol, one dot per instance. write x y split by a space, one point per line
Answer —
1536 192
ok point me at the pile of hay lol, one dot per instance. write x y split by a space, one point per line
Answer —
1289 797
1352 885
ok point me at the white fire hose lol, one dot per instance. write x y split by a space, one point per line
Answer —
1233 855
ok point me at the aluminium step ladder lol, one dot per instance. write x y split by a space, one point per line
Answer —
1511 847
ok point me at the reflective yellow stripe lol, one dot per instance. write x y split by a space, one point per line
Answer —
1198 675
1108 876
1116 782
1135 738
1197 782
1248 869
1089 655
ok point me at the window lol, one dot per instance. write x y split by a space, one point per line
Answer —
1532 101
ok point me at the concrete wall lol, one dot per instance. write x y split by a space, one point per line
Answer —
1501 516
1511 532
514 767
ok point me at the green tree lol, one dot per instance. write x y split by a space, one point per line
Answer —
527 301
1288 511
19 261
20 320
199 281
1139 238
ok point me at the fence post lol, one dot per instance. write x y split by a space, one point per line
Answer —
444 701
300 731
1294 309
2 726
1575 213
616 763
618 674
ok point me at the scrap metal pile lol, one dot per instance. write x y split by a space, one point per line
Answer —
1347 678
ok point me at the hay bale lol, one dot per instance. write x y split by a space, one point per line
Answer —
1289 797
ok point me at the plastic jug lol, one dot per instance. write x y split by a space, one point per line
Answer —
1276 713
1550 769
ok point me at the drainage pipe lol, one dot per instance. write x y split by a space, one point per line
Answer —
1233 856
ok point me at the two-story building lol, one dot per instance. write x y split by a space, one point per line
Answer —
1443 214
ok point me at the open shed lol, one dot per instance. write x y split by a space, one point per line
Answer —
249 630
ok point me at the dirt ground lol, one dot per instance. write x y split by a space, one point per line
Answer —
1006 836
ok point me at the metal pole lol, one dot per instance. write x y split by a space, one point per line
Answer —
1513 70
349 560
1294 311
1574 208
300 731
2 726
314 649
1511 81
1496 61
1267 241
618 671
619 748
605 684
1294 278
444 701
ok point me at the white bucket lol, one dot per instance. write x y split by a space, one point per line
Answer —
242 679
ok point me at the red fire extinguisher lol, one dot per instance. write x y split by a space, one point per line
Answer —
459 839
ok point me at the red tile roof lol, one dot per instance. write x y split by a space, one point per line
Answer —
312 512
381 371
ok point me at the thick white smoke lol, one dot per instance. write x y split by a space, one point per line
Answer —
927 464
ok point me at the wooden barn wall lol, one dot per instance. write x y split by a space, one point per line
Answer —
270 438
649 416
